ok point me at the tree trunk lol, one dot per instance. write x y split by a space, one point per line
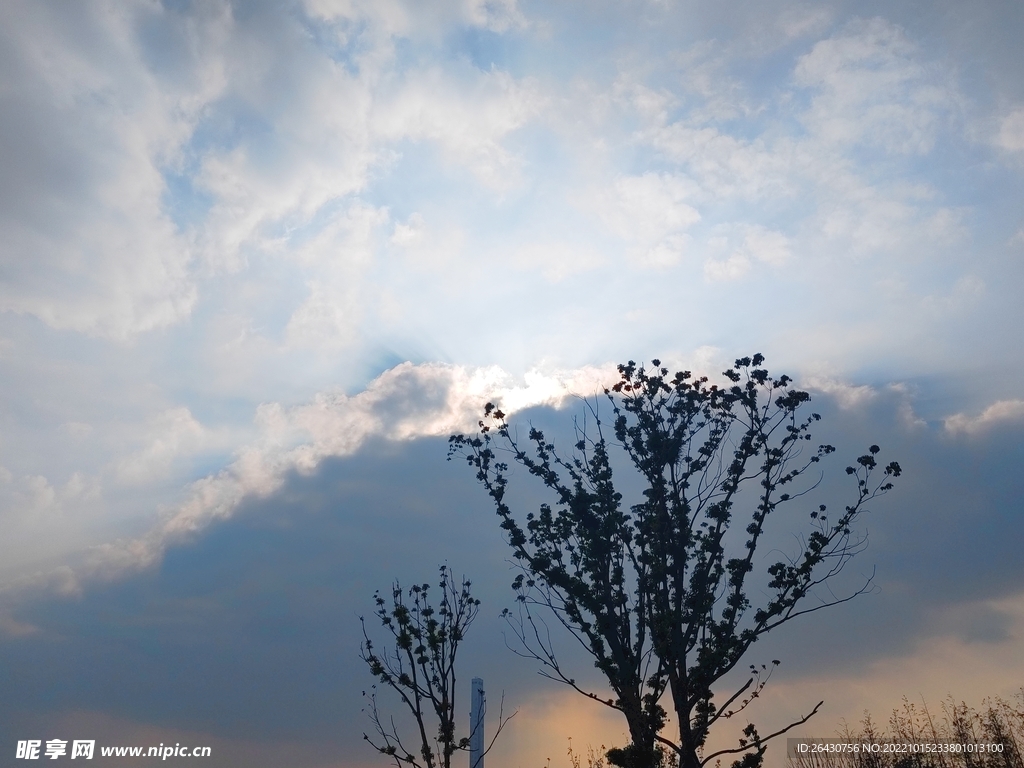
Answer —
640 753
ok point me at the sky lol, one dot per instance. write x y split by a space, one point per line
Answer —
259 259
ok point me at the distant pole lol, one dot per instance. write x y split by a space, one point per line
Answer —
476 725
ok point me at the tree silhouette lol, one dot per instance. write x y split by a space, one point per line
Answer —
658 592
420 668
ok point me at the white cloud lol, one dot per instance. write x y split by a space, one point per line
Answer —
759 244
416 19
425 247
86 129
495 15
467 117
251 114
292 138
1011 132
732 268
846 395
866 219
327 319
871 89
796 21
705 64
170 435
965 294
337 257
767 245
650 213
908 417
556 261
865 88
267 189
14 628
1000 412
409 234
725 166
77 429
33 501
404 403
652 104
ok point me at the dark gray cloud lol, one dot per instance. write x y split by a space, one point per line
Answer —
250 631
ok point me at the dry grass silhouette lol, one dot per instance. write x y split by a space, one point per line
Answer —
998 721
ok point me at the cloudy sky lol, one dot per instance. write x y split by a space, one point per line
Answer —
258 260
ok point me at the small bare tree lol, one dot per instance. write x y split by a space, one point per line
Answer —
420 668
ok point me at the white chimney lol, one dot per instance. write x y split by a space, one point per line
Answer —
476 725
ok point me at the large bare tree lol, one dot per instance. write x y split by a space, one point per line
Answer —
660 591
